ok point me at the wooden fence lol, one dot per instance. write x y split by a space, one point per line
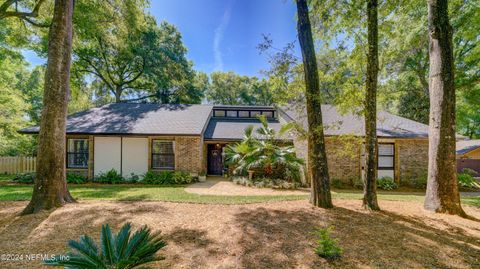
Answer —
17 164
468 163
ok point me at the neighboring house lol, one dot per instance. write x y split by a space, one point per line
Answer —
136 138
468 155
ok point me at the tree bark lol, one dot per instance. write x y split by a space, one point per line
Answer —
371 147
442 187
317 158
50 188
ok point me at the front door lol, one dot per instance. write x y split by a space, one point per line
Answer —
215 162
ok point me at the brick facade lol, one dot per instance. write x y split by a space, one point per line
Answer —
188 154
412 158
344 154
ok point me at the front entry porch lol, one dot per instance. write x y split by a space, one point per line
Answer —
215 159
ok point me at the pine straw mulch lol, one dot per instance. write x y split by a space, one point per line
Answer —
266 235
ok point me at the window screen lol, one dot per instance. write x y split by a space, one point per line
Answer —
77 153
386 156
232 113
243 114
219 113
163 154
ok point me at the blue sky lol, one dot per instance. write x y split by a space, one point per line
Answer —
222 35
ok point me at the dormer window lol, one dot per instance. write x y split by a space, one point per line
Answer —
243 112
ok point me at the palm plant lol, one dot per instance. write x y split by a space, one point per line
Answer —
121 251
264 153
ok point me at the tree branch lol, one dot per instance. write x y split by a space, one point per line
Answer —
22 15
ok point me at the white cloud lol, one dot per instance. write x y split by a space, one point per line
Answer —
217 53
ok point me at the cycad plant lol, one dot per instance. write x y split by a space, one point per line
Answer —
264 152
120 251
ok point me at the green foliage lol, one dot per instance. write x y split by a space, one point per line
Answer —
128 54
337 183
25 178
228 88
74 178
123 250
466 180
263 182
181 177
419 182
110 177
264 154
386 183
327 247
167 178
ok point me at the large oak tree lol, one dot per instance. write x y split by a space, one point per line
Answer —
50 187
317 157
442 187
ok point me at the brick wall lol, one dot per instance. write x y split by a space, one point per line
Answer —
188 154
343 154
343 157
412 158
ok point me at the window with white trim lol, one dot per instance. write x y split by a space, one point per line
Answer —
163 154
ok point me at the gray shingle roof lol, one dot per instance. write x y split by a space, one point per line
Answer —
132 118
233 129
465 146
388 125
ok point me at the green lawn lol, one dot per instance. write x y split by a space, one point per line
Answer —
177 194
136 193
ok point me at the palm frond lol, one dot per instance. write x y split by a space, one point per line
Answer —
107 243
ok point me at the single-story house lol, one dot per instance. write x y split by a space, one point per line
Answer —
468 155
139 137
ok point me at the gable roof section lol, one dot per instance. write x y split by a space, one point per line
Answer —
388 125
466 146
138 118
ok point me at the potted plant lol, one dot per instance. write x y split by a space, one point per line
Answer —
202 176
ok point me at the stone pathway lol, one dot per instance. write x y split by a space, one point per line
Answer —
222 186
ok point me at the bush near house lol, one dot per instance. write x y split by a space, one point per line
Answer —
270 161
110 177
24 178
466 180
73 178
386 183
167 178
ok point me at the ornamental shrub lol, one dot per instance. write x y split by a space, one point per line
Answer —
74 178
386 183
25 178
110 177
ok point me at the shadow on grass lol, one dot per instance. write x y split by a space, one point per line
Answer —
284 239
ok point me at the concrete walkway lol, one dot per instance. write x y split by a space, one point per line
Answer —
223 186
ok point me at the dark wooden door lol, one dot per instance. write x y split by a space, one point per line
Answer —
215 162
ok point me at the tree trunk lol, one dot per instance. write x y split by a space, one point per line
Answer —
50 188
118 94
371 147
317 158
442 187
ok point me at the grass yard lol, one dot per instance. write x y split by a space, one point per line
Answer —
178 194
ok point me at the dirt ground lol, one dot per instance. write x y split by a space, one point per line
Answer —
267 235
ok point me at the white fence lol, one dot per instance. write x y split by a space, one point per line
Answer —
17 164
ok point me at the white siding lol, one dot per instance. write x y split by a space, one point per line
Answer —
135 156
106 154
